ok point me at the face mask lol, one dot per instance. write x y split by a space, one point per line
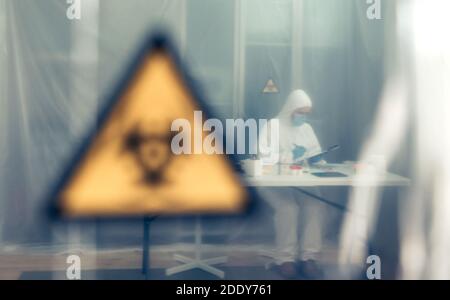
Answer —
298 120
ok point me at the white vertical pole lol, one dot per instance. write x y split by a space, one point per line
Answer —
182 27
3 103
296 41
84 67
83 105
239 58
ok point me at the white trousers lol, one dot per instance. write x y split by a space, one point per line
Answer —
291 209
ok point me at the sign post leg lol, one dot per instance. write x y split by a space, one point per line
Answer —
145 248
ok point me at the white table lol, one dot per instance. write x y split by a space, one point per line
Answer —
273 179
308 180
277 177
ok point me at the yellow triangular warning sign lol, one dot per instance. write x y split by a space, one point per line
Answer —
270 87
128 167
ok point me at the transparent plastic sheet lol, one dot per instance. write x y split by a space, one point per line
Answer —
3 119
56 72
416 99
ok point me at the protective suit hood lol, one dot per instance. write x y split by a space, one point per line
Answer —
290 137
297 99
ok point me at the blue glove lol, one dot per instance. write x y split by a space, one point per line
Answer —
298 152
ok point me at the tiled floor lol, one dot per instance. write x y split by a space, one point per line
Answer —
126 264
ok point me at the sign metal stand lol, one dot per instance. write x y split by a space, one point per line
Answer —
198 262
146 247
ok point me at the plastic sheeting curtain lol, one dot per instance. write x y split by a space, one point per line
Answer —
55 73
414 110
3 119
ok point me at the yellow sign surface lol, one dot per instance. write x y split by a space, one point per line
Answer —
129 168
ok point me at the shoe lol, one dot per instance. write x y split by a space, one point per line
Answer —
310 269
287 270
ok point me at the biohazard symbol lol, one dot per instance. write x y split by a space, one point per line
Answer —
152 153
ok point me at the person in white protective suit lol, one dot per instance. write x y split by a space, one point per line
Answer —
297 141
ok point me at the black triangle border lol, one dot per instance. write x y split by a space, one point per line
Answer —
155 41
